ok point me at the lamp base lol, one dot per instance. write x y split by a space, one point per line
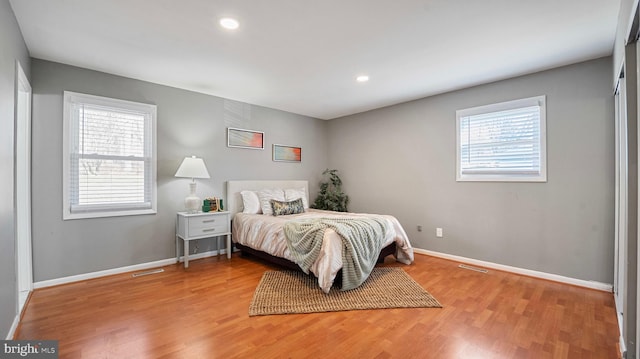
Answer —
192 202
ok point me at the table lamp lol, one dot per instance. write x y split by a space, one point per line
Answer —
192 167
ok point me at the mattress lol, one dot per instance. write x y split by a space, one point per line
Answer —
265 233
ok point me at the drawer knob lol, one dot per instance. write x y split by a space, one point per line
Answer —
209 221
208 229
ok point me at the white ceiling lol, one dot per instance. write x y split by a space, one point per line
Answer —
303 56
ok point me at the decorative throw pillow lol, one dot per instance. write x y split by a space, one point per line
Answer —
295 193
280 208
250 202
266 195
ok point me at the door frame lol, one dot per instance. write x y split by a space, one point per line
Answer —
24 259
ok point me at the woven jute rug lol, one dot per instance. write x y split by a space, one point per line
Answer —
287 292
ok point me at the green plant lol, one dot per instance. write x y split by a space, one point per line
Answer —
331 196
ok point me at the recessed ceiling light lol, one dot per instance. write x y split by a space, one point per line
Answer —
362 78
229 23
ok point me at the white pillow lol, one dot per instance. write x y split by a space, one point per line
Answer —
266 195
250 202
292 194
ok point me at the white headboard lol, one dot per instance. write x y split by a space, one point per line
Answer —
234 200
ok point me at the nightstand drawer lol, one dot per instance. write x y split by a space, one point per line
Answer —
207 231
200 226
207 221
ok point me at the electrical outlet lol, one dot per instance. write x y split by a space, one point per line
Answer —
439 232
419 228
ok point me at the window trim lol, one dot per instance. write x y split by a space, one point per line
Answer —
98 211
505 177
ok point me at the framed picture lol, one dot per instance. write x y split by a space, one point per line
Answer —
240 138
283 153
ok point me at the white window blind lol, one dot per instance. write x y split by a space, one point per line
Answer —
502 142
110 158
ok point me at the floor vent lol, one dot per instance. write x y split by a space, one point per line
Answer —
147 272
473 268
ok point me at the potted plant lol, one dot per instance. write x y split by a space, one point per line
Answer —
331 196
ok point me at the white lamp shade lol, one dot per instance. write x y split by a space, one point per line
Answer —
192 167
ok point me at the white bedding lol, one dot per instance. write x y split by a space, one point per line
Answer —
265 233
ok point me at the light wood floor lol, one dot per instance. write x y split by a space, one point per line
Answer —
202 312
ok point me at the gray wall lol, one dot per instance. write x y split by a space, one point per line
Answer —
401 160
189 123
12 48
409 171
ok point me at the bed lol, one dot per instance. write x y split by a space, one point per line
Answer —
263 234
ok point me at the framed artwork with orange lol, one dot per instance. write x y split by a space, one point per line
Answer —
237 137
284 153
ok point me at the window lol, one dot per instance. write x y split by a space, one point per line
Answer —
109 157
502 142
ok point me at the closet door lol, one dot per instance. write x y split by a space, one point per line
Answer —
621 199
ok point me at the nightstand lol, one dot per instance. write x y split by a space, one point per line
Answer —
190 226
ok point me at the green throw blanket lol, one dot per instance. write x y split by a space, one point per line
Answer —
362 239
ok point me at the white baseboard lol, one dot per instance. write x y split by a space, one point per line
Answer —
623 347
132 268
14 326
531 273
